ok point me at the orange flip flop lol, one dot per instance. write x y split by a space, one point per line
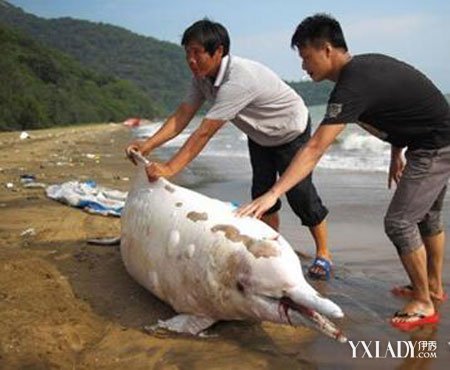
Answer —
420 319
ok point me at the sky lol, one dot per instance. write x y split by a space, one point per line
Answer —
415 31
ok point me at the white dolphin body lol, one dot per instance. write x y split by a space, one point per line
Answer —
192 252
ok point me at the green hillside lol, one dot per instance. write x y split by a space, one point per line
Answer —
313 93
159 68
42 87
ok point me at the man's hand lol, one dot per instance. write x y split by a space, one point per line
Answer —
396 167
137 146
156 170
258 206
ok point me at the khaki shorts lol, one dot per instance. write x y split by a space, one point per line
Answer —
416 207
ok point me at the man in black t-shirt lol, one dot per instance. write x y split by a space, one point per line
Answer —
397 103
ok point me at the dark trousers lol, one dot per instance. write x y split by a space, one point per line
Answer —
270 162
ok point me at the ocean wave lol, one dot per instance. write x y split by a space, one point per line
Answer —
354 163
357 141
356 150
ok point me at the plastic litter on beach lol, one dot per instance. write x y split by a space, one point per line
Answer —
25 179
28 232
24 135
29 181
121 178
9 185
34 185
89 196
92 156
105 241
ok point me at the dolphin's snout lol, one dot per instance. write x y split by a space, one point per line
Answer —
320 322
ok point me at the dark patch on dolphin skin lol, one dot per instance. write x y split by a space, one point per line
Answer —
263 248
259 248
236 265
178 204
232 233
197 216
169 188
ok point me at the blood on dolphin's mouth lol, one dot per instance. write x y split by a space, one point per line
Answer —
285 303
321 322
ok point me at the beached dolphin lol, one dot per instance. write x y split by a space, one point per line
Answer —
192 252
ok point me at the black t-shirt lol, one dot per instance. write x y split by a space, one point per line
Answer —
392 100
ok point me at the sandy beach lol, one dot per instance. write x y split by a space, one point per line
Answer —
65 304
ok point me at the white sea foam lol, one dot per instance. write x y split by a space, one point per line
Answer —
145 131
357 141
352 163
356 150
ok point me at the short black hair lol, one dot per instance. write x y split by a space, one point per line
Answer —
317 29
209 34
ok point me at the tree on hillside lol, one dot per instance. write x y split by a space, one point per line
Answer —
42 87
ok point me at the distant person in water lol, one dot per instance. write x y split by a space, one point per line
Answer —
259 103
397 103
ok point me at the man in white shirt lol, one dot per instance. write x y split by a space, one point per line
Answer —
258 102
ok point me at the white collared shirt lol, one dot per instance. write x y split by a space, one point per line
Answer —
254 99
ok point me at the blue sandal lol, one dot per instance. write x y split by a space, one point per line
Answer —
325 269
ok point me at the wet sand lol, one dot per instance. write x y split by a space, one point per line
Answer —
65 304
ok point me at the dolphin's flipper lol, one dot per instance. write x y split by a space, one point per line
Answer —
189 324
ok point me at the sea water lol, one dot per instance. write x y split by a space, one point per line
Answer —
226 154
